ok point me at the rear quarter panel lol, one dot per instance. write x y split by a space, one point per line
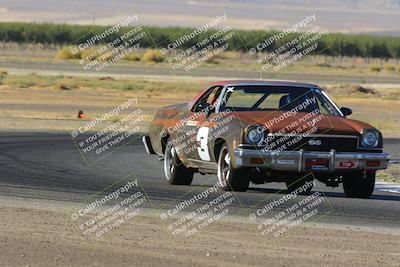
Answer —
164 120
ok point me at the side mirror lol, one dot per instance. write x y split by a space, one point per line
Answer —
202 106
206 108
346 111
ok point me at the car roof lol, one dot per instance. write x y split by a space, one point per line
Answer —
264 82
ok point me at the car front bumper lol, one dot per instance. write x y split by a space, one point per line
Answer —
301 161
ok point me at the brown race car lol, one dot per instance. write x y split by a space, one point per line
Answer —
266 131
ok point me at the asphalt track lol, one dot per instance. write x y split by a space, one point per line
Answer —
48 166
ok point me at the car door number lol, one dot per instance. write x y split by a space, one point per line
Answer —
202 141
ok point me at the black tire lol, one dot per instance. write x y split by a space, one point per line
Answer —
230 179
175 172
294 185
359 185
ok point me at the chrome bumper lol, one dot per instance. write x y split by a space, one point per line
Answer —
300 161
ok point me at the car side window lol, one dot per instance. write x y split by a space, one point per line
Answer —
210 97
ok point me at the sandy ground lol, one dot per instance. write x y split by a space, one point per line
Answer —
43 234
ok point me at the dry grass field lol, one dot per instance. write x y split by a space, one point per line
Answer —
346 66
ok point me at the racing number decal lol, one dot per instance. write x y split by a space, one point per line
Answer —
202 141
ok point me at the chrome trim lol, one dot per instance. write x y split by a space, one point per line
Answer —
332 102
301 159
332 154
147 145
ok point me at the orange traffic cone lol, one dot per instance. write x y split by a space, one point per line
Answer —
81 115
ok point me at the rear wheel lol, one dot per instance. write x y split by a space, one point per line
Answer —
175 172
359 185
231 179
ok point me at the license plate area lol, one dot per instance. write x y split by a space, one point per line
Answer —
317 164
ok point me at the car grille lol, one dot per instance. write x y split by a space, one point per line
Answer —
315 143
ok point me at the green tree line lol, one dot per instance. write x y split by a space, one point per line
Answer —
331 44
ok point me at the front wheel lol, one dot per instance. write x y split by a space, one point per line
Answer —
231 179
359 185
175 172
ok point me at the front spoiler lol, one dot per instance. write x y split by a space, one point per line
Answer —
300 161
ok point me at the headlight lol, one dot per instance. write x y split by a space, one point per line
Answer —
370 139
254 135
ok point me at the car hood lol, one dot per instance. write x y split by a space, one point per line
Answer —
278 121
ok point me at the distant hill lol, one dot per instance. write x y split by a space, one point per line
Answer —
380 17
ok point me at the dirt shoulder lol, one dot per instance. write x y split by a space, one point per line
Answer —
34 235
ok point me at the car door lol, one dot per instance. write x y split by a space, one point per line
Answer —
197 128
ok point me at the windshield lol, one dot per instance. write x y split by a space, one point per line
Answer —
277 98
